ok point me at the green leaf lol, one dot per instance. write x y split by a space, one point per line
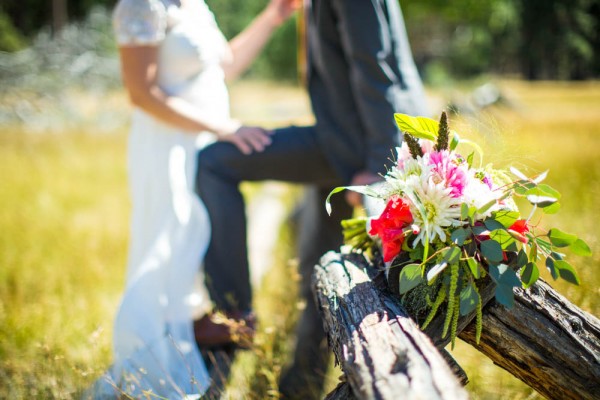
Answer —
491 250
518 174
541 201
468 299
544 190
436 270
541 177
559 238
521 187
522 259
459 236
474 267
533 251
505 296
455 141
470 159
492 224
506 218
530 274
366 190
552 208
542 195
419 127
503 274
486 206
581 248
567 272
503 237
451 255
410 277
551 267
505 279
464 211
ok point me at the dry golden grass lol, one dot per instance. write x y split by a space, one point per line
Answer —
64 215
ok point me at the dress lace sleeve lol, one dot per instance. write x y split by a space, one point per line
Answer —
139 22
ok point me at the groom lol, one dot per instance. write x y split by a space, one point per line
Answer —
360 72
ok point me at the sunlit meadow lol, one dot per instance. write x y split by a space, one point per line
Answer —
64 214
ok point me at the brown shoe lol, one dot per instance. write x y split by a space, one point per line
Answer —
216 329
210 331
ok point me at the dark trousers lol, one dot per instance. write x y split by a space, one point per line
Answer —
293 156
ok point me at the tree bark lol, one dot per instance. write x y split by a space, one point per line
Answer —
381 350
59 15
545 341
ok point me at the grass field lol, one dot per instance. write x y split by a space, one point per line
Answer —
64 214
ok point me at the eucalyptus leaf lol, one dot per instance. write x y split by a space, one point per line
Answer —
459 236
518 173
506 218
552 208
436 270
505 296
492 224
551 267
410 277
503 237
419 127
521 187
522 259
451 255
502 274
567 272
581 248
541 177
468 299
559 238
541 201
529 274
491 250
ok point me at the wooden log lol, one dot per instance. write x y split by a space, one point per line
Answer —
381 350
545 341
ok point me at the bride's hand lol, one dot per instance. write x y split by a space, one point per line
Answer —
248 139
283 9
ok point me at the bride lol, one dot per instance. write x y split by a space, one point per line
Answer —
174 65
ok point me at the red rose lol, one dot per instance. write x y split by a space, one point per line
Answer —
390 227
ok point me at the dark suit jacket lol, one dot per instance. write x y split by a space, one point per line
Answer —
360 71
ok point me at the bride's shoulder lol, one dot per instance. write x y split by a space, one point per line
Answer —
139 21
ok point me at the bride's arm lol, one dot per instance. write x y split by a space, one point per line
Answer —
139 71
248 44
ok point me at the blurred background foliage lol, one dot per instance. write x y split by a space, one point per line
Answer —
534 39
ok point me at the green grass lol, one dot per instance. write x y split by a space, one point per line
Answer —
64 215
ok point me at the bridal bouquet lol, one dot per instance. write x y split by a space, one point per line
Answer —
449 222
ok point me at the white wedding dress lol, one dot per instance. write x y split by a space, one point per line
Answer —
154 347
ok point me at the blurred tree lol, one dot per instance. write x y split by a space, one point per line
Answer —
278 59
558 37
10 39
539 39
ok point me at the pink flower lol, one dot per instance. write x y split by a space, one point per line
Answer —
391 226
448 168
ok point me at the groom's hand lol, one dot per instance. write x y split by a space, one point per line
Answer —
362 178
249 139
